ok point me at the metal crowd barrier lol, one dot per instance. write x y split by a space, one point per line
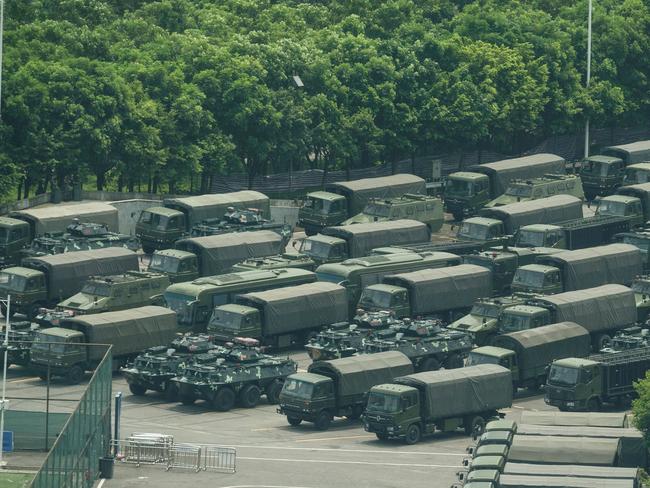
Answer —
186 456
221 459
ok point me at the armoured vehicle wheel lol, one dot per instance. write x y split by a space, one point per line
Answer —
186 400
454 361
381 437
137 390
75 375
273 392
294 421
224 400
413 434
323 420
249 396
593 405
476 426
171 392
430 364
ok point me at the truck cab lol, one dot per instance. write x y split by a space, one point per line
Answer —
540 235
465 193
574 384
178 265
483 229
14 236
230 321
641 288
537 279
324 249
60 349
423 208
160 228
389 298
622 206
322 209
27 288
491 450
601 175
391 410
308 396
636 174
495 355
523 317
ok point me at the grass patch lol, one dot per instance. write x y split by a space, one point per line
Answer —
15 480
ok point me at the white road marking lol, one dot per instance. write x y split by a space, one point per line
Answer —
24 380
421 453
337 438
101 483
454 466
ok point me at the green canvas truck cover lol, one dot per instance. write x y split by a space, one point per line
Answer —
595 266
299 307
587 419
596 309
572 470
129 331
214 205
598 451
526 167
355 375
56 218
550 210
438 289
635 152
524 481
362 238
66 273
218 253
358 192
539 347
462 391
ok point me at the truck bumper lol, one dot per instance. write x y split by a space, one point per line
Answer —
387 430
565 405
292 411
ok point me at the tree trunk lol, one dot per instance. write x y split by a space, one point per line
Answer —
154 188
19 190
120 182
101 181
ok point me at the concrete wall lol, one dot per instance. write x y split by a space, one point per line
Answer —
129 212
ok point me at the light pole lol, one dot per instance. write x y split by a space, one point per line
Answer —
3 404
2 21
588 77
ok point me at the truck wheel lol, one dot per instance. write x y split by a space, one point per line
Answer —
147 249
171 392
475 427
249 396
323 420
430 364
137 390
187 400
593 405
3 309
43 376
294 421
224 400
32 311
273 392
413 434
455 361
381 437
458 217
603 341
75 375
356 413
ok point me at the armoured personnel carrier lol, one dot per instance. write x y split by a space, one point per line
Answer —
155 367
239 220
240 376
21 336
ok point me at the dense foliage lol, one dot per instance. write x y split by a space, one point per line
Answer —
641 407
147 93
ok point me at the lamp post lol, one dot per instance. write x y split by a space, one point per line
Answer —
2 21
3 404
588 76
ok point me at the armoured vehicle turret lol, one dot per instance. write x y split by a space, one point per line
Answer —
155 367
239 376
240 220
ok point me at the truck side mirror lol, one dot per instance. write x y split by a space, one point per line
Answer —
465 462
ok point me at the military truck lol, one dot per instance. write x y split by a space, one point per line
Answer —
641 288
160 227
155 367
280 317
117 292
639 239
603 174
67 351
194 301
423 208
19 342
575 270
631 202
336 244
528 353
482 322
573 234
14 236
342 200
338 388
443 292
468 191
240 220
542 187
636 174
355 274
211 255
281 261
589 383
45 281
410 406
239 375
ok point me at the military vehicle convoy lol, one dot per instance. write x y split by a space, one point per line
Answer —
281 261
238 375
410 407
282 316
212 255
240 220
542 187
342 200
45 281
423 208
60 350
336 244
194 301
528 353
160 227
338 388
468 191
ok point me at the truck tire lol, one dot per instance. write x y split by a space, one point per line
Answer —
3 309
593 405
187 400
249 396
32 311
148 249
75 375
475 427
137 390
356 413
454 361
381 437
273 392
413 434
323 420
171 392
224 400
429 364
603 341
458 216
294 421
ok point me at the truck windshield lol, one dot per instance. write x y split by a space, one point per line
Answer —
530 238
635 176
41 343
472 230
98 289
164 264
316 248
473 359
154 220
318 205
382 403
486 310
595 168
459 188
607 207
524 191
183 305
377 210
375 298
513 323
562 375
528 278
298 388
226 320
332 278
13 282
